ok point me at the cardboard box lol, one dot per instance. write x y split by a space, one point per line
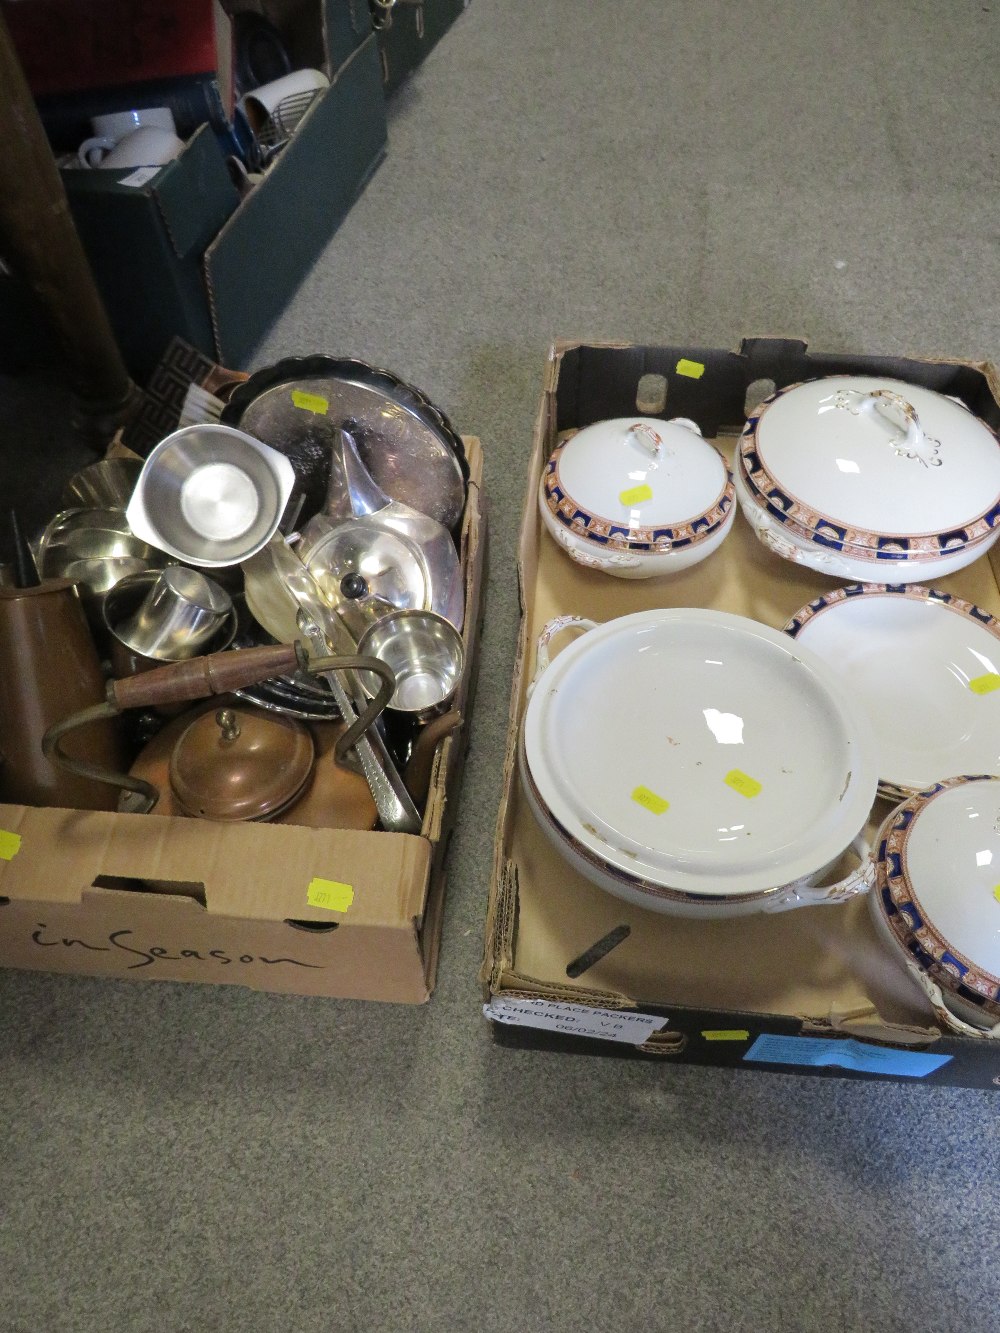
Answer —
274 907
177 252
413 29
569 966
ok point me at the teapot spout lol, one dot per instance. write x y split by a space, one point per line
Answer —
352 491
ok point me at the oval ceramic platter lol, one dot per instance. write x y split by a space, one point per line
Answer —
698 751
925 665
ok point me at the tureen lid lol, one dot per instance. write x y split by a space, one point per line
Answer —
938 885
875 460
638 482
698 751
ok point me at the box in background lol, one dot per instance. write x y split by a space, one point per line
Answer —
568 966
412 30
177 251
276 907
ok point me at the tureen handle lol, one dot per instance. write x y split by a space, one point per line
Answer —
915 442
651 439
550 630
644 433
687 423
941 1011
618 560
805 894
819 560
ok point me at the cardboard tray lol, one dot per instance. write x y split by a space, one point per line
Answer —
274 907
814 985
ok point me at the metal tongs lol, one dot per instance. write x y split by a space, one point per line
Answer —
287 595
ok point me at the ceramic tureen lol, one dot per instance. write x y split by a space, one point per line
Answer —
936 902
869 479
637 496
696 763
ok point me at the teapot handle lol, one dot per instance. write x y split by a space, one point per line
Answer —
803 893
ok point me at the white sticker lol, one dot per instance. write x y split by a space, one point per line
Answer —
579 1019
140 177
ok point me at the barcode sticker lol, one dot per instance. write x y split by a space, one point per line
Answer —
743 783
10 845
650 801
692 369
330 894
636 495
310 402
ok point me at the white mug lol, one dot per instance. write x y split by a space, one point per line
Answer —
284 102
148 146
116 124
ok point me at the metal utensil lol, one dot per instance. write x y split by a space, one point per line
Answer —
393 802
366 550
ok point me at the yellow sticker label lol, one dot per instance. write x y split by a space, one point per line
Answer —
726 1034
329 893
650 801
310 402
996 893
10 845
743 783
985 684
636 495
693 369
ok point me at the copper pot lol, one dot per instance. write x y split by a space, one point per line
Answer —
242 763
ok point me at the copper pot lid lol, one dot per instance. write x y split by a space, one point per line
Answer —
239 763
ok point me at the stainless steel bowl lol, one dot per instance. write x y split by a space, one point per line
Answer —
210 495
426 654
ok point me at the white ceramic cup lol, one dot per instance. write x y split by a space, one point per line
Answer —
114 126
148 146
284 102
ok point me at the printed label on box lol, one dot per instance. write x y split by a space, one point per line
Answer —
580 1020
845 1053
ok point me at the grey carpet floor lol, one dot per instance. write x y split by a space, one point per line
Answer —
197 1158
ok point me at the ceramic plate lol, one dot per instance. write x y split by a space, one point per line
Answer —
926 668
698 750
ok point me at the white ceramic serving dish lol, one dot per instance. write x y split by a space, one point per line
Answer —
637 496
843 563
936 899
860 475
925 665
696 763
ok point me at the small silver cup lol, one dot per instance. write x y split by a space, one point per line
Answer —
427 656
182 611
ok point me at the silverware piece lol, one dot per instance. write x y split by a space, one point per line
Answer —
395 807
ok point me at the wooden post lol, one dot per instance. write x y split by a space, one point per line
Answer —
40 244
